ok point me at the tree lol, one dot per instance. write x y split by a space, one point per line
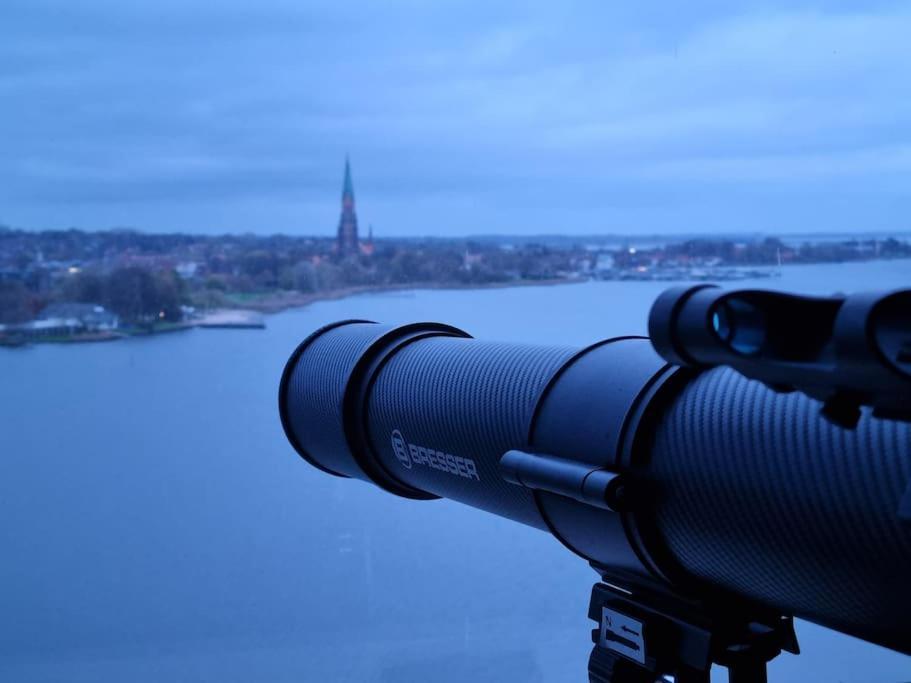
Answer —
170 292
137 295
130 293
85 288
306 277
15 302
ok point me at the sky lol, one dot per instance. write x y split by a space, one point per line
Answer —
514 117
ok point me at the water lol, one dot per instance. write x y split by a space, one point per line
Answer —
156 526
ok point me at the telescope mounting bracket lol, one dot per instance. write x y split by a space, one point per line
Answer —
645 636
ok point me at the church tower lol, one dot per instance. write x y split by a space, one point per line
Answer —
367 247
347 240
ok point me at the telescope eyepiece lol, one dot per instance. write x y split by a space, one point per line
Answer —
740 325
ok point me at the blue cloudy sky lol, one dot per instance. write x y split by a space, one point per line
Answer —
460 117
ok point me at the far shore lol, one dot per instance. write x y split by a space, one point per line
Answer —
276 302
247 312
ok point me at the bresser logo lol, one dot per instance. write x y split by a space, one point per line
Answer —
409 454
400 448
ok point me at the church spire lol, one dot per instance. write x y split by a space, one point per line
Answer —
347 240
348 185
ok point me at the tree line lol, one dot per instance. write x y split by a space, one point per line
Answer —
137 295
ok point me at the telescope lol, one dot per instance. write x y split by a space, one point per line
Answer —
747 463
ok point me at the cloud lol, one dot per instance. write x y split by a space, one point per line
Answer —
520 117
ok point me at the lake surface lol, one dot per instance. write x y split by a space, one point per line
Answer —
156 526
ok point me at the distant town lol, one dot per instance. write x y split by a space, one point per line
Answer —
74 285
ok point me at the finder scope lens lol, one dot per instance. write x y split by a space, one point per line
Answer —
740 324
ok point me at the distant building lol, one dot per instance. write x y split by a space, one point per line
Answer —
367 247
604 262
347 239
10 274
470 260
187 270
48 327
81 317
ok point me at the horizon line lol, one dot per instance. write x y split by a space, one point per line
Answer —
904 232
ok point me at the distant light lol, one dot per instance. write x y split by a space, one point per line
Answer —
641 269
632 250
73 270
161 314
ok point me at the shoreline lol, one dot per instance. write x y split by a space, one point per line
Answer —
278 302
249 314
248 311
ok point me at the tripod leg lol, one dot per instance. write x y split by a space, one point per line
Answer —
691 676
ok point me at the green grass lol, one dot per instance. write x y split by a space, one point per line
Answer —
246 297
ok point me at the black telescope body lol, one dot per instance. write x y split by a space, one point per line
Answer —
706 482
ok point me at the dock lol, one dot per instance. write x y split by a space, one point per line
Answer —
234 319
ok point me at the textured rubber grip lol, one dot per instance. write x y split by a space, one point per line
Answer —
466 399
760 495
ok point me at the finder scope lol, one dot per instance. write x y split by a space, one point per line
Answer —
716 504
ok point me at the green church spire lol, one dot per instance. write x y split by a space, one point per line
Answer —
348 186
347 241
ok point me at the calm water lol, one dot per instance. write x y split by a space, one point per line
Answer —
157 527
